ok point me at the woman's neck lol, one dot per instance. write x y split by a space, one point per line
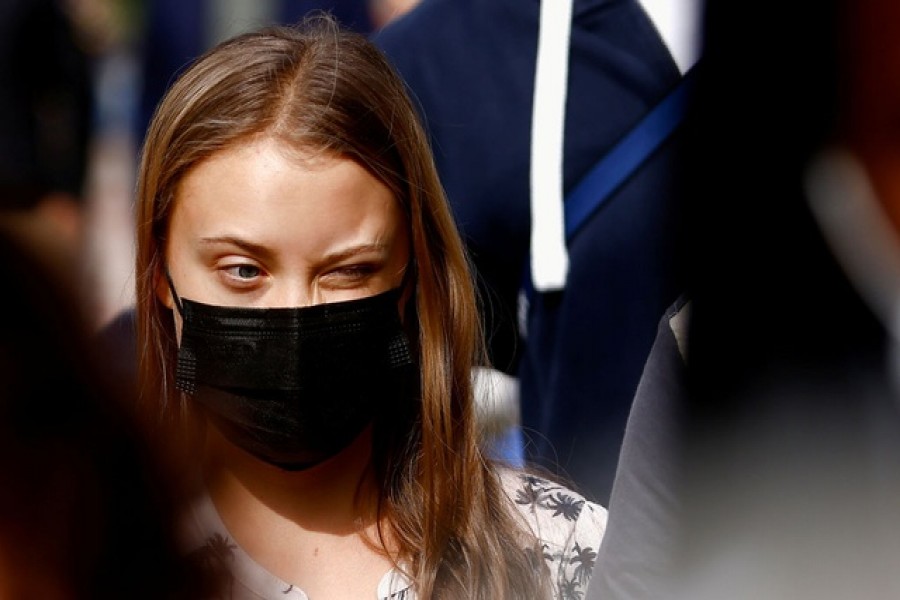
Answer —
315 528
337 497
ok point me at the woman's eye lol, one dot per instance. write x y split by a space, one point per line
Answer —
359 270
352 273
247 271
243 272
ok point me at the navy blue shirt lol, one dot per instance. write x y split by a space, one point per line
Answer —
470 66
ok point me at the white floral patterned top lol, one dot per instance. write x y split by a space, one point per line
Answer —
568 526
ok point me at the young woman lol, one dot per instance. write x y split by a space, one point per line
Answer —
306 314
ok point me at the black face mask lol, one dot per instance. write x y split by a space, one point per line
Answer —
295 386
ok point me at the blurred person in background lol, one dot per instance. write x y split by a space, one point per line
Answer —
575 349
55 113
46 105
59 175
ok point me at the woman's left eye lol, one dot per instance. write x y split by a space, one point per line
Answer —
352 272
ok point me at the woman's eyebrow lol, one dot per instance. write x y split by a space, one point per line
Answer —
265 252
354 250
245 245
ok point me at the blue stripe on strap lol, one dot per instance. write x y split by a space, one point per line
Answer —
625 157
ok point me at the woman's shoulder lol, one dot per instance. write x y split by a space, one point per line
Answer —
555 512
568 526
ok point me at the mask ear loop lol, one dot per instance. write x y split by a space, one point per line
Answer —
175 296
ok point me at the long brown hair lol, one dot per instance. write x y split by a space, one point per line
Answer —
317 87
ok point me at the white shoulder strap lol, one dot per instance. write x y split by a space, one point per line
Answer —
549 257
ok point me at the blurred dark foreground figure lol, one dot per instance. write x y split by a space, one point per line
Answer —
85 511
791 482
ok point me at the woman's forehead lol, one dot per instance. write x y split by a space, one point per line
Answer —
256 191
